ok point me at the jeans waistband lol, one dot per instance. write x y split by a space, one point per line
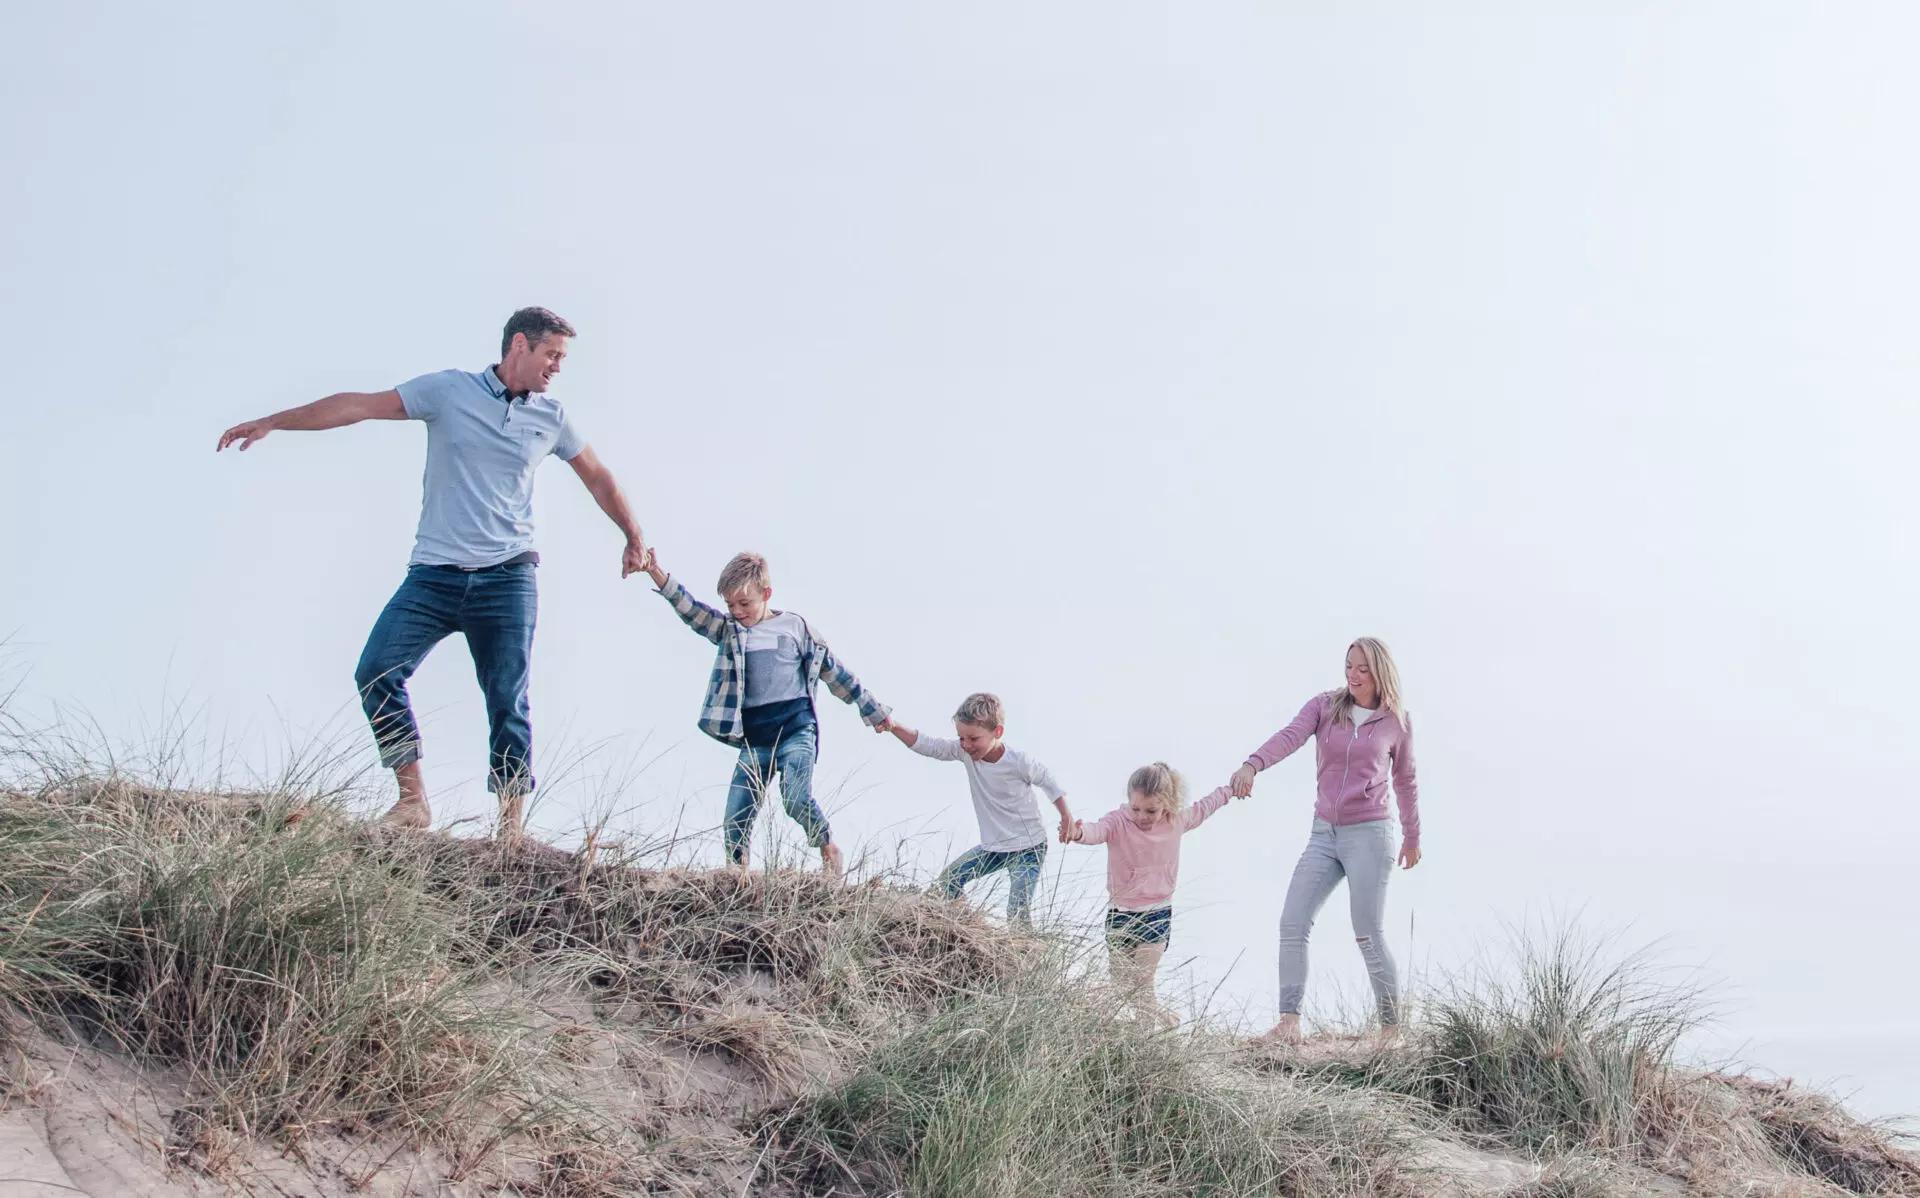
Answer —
529 558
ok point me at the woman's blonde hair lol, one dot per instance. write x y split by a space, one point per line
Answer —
1160 781
1386 678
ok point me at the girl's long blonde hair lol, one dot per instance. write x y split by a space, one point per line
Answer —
1163 782
1386 677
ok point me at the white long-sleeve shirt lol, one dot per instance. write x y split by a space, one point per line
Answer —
1002 793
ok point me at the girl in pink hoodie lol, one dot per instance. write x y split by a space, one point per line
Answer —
1364 753
1143 863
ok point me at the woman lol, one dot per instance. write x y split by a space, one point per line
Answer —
1363 737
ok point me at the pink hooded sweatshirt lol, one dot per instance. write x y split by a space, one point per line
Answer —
1354 764
1144 863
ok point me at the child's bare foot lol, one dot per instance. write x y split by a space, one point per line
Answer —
1386 1037
410 812
830 859
1286 1032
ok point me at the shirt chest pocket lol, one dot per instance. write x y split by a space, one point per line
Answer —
530 441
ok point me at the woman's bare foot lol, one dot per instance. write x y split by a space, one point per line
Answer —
830 859
1286 1032
410 812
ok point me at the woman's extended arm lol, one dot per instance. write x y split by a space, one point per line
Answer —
1279 746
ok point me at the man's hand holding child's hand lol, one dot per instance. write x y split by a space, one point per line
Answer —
651 564
1079 832
1067 828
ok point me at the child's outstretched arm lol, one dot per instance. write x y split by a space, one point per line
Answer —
707 621
848 689
1095 833
1197 814
937 747
1039 775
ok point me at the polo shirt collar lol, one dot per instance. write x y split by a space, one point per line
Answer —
490 379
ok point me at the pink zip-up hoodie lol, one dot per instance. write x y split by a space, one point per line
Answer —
1144 863
1354 764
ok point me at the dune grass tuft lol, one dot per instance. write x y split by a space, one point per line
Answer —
1043 1090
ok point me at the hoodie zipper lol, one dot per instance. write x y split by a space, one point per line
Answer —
1346 765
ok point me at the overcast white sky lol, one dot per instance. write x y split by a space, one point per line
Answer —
1127 360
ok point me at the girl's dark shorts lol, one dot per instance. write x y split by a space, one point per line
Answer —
1134 929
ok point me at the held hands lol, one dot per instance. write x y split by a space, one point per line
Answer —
1242 781
1078 832
1069 828
636 558
1409 855
648 564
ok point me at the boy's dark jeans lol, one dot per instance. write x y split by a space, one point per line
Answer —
495 609
1023 870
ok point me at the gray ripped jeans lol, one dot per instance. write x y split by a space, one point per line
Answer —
1362 854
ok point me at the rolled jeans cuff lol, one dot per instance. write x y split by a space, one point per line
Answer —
510 782
404 753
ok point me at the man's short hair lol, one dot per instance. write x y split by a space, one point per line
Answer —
982 710
745 570
536 323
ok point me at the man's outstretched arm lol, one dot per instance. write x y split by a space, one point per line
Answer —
600 484
335 411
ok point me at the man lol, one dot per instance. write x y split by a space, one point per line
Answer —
473 559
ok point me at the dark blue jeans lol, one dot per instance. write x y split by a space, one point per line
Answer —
494 609
791 760
1023 872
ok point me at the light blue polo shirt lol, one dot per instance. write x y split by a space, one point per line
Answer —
476 503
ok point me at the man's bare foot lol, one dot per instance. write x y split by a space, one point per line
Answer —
830 859
410 812
739 865
1286 1032
511 827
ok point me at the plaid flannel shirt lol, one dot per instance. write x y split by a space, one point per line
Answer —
720 714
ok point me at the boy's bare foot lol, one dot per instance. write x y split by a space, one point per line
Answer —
1286 1032
410 812
830 859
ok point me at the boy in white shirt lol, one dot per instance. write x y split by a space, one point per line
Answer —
1002 781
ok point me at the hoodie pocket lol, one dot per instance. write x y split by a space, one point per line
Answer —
1152 879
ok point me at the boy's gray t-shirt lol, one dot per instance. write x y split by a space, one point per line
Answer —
476 505
775 673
